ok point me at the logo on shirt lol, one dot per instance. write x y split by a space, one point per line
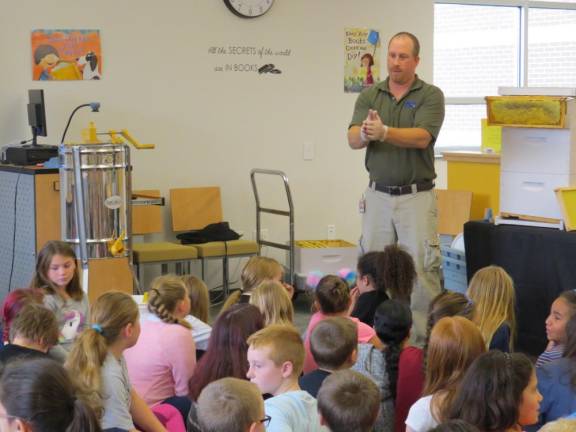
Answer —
410 104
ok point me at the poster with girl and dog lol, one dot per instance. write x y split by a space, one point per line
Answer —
62 55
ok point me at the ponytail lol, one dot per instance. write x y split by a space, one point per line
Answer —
396 273
85 362
165 293
392 322
391 271
110 314
232 299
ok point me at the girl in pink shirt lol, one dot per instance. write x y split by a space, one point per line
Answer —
163 360
332 298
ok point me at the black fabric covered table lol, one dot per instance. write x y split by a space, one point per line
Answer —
542 263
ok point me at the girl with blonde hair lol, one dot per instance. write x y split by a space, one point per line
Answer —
492 292
97 361
272 299
198 316
455 342
257 270
163 360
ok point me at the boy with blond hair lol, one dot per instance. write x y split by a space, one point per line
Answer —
231 405
34 331
334 346
275 358
348 401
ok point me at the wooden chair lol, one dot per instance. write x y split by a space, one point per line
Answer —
147 219
194 208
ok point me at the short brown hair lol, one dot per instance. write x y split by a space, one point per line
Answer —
332 342
414 39
229 405
285 345
36 323
333 294
349 401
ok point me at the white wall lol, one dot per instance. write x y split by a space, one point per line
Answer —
211 127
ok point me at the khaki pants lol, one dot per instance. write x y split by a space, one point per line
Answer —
410 220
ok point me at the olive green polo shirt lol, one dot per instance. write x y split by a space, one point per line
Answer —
421 107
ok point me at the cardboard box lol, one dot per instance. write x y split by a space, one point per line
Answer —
326 256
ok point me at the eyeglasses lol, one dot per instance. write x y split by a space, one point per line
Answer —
266 421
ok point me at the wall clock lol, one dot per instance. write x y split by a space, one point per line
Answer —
249 8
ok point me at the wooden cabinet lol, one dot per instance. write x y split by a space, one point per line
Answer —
29 216
478 173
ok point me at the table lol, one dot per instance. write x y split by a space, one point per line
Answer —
542 263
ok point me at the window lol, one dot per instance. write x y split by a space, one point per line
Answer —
481 45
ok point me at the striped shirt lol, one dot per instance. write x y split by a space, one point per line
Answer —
547 356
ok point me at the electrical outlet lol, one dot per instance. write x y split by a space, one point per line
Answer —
308 151
331 232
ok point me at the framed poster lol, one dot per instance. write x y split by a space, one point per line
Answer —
60 55
361 59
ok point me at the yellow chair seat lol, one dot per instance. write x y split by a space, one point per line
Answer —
162 252
233 247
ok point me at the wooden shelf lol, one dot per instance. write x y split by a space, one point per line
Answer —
471 157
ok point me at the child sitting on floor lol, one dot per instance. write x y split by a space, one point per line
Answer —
258 269
198 316
492 292
563 308
97 361
332 298
163 360
499 392
334 344
239 400
397 369
13 302
382 275
38 395
455 342
33 332
58 278
272 299
275 357
348 401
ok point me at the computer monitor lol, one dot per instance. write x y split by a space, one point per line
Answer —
36 114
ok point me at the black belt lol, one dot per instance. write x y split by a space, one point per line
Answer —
401 190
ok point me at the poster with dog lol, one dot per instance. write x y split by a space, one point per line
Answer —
63 55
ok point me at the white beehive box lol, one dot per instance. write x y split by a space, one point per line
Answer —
326 256
534 162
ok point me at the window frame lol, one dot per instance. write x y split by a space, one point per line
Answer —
524 6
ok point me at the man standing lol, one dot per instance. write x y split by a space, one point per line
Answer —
398 121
